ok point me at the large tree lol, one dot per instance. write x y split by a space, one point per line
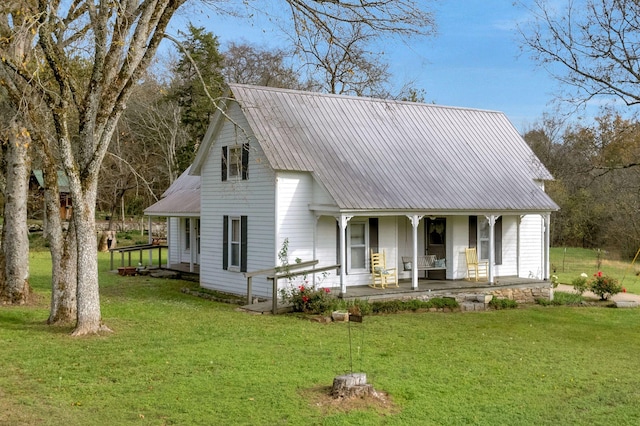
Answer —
592 46
41 39
249 64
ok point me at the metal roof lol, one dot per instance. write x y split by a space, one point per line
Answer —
63 181
374 154
181 199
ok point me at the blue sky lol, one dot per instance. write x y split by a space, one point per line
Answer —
474 60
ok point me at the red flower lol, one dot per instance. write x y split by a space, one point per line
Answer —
599 274
301 288
624 290
305 299
326 290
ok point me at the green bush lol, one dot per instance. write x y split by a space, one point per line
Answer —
413 305
503 303
443 302
581 284
356 305
604 286
562 298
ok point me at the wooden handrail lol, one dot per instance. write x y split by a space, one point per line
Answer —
280 268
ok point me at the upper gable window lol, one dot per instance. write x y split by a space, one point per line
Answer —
235 162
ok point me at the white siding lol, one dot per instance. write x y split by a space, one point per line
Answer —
509 266
531 244
295 221
321 196
174 240
254 198
185 253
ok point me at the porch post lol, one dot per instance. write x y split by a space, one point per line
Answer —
415 221
547 242
343 221
492 242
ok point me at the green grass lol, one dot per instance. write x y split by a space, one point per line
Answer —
569 263
178 359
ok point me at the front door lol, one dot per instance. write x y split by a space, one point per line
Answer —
435 233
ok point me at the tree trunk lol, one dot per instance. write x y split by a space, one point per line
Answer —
88 293
62 245
63 280
14 284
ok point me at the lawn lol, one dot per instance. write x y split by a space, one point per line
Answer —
177 359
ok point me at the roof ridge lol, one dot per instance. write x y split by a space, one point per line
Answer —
359 98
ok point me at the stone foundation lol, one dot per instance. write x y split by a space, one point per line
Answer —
479 298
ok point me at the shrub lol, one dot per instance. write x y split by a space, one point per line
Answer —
580 284
503 303
604 286
562 298
309 299
362 307
443 302
393 306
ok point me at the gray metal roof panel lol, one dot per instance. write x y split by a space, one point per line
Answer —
180 199
382 154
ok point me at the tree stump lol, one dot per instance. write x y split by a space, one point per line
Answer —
351 385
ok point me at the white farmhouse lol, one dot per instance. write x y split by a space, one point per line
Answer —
339 177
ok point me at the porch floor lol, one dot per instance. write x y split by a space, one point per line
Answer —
435 287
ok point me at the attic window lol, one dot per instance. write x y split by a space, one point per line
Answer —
235 162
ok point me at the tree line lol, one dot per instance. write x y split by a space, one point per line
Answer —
597 181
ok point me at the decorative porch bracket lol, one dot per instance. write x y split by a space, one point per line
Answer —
415 221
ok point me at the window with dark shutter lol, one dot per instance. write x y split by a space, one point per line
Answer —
373 235
497 234
245 161
224 163
225 243
473 231
243 243
497 231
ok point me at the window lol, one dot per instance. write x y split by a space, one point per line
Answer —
479 237
358 242
235 162
234 244
483 238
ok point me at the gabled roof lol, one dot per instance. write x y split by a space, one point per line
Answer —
181 199
374 154
63 181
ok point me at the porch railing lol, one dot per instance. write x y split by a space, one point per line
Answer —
277 272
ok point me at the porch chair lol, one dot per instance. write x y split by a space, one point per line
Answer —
476 269
381 276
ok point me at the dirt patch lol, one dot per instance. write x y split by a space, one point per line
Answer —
321 399
33 300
